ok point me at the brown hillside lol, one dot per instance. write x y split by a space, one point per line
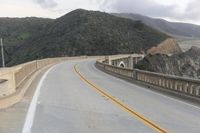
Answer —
168 47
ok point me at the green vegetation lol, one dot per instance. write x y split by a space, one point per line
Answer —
15 31
82 32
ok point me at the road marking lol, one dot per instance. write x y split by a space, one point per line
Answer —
32 108
177 100
120 104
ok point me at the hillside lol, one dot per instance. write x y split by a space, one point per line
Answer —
185 64
183 30
83 32
15 31
168 47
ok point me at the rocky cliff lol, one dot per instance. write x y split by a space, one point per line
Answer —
185 64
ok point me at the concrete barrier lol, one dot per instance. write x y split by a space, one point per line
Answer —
7 87
187 86
12 78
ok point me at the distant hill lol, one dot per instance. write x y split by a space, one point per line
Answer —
183 30
83 32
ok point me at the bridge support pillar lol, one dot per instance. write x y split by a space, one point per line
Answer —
108 60
130 62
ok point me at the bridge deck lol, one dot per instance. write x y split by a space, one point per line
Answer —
66 103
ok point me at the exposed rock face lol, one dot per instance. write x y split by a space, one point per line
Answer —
169 46
185 64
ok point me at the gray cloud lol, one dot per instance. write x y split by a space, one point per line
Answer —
190 13
154 9
193 11
145 7
47 3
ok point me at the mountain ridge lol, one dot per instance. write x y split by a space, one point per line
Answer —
83 32
175 29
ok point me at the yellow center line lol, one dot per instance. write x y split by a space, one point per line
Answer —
120 104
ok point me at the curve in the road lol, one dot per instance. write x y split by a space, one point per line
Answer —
123 106
66 104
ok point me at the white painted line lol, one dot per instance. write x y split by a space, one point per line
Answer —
178 100
32 108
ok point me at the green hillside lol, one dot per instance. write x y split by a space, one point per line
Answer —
15 31
83 32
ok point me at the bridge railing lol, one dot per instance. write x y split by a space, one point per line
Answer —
188 86
118 70
184 85
14 76
11 78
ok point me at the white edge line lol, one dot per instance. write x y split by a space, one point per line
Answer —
33 105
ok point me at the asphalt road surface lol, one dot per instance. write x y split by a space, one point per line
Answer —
64 102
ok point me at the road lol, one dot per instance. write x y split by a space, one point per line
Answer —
66 103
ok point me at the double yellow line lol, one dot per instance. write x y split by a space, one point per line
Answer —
123 106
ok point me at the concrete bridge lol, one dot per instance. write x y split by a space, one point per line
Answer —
123 67
95 94
126 61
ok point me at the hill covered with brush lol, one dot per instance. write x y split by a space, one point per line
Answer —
83 32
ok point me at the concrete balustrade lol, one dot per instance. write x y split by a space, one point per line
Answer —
188 86
180 84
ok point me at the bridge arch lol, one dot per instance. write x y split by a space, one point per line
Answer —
122 64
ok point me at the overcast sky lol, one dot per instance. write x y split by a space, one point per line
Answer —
173 10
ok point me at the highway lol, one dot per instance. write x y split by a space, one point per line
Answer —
76 97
